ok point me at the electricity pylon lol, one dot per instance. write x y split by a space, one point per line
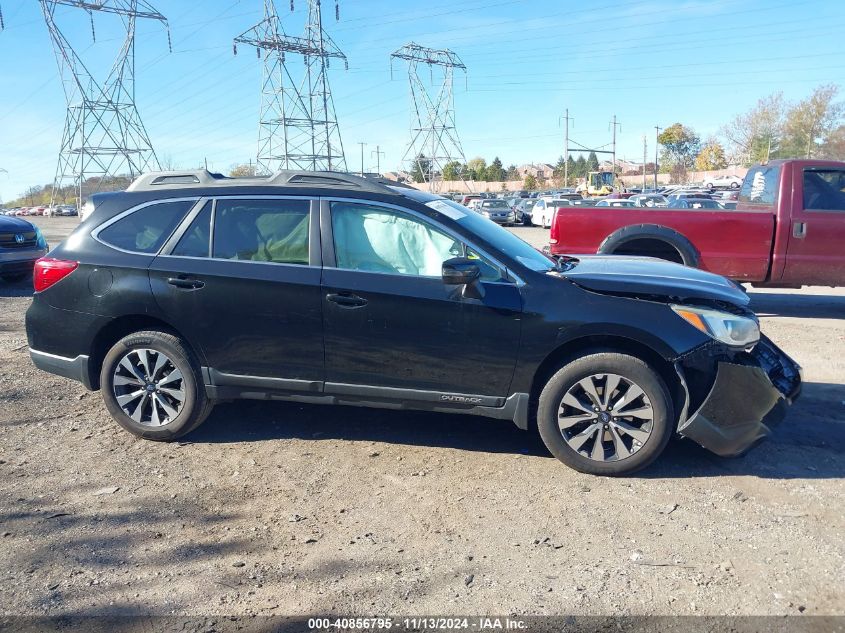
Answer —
434 137
297 126
103 136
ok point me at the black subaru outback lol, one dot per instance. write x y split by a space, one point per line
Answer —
190 288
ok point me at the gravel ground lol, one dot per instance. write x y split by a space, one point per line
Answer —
274 508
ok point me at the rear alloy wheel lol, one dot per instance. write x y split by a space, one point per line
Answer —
605 414
151 386
148 387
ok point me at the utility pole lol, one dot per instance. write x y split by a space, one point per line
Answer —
363 145
567 119
378 154
613 125
656 146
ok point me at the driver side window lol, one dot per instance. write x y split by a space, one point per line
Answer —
378 239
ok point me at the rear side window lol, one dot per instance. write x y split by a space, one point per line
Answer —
145 230
760 185
273 231
824 189
196 242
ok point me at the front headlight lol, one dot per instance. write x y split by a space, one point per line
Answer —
40 242
486 214
730 329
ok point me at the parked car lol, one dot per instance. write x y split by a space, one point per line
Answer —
648 200
21 244
684 195
85 210
787 229
694 203
498 211
723 182
354 291
543 212
616 202
524 210
467 199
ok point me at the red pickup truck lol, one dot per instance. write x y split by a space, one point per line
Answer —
787 230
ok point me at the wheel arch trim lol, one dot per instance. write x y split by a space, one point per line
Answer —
680 242
124 325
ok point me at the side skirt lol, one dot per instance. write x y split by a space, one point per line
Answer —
222 386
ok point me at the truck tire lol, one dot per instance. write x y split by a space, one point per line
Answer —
152 386
651 240
582 417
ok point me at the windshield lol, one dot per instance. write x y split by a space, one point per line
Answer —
500 238
495 204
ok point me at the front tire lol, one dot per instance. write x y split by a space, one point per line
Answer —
152 386
606 414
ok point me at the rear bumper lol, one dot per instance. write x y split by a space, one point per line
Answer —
73 368
749 397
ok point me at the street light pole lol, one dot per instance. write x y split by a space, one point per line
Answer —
656 145
363 145
378 154
567 119
645 152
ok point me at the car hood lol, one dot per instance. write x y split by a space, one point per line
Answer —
649 277
12 223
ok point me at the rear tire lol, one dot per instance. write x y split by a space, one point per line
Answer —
608 442
152 386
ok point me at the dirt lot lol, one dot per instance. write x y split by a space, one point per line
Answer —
273 508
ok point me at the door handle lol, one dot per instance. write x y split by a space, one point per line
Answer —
184 283
799 230
346 300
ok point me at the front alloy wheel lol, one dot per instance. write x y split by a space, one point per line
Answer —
606 413
605 417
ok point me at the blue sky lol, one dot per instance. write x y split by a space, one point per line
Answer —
648 62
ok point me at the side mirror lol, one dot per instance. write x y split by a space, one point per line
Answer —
460 271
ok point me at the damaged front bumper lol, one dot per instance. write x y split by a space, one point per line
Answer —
748 397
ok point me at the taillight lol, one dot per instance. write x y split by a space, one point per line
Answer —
49 270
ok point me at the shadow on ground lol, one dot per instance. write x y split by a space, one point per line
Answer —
22 288
807 445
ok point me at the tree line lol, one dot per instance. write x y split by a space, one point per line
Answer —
812 127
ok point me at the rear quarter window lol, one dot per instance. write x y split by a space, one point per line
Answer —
760 185
145 230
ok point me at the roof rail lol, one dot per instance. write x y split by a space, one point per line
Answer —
196 178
